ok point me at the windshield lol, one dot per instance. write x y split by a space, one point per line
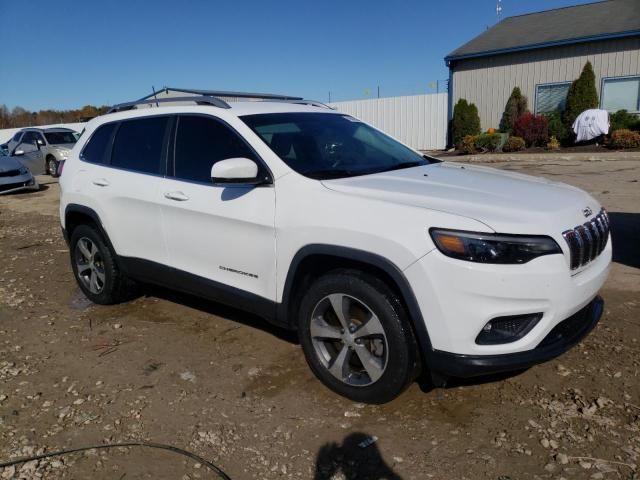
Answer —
57 138
328 145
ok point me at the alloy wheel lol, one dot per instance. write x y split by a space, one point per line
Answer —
349 339
89 265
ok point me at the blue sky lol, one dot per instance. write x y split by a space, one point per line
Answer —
68 53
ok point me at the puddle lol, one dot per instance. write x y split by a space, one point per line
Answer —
79 301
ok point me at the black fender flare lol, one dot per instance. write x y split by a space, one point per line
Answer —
89 212
375 260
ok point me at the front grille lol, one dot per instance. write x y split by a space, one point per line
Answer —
587 241
10 173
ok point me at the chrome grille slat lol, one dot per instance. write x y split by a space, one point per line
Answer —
587 241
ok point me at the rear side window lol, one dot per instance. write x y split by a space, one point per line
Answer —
16 137
138 145
98 144
201 142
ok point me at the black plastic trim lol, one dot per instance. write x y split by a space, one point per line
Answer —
175 279
285 316
466 366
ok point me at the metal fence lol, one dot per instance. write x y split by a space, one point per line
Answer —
419 121
7 133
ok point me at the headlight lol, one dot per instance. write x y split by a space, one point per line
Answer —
492 248
23 170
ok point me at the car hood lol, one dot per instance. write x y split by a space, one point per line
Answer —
505 201
63 147
9 163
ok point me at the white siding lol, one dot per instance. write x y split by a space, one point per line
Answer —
419 121
488 81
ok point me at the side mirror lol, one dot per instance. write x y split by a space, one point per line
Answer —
18 153
235 170
39 143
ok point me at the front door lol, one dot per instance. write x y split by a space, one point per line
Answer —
224 234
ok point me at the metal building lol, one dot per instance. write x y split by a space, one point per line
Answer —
542 53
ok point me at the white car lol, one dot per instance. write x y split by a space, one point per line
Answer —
387 262
42 149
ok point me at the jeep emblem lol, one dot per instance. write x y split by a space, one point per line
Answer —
587 212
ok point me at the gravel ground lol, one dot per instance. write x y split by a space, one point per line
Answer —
172 369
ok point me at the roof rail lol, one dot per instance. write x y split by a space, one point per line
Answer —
198 99
313 103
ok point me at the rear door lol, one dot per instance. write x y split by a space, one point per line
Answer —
125 184
221 233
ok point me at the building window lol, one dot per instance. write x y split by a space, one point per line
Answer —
621 94
551 97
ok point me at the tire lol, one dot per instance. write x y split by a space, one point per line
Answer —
387 346
52 166
95 268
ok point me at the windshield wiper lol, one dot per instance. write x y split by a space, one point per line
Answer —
333 173
400 166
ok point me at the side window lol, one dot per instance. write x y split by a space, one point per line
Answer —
29 137
138 145
201 142
95 149
16 137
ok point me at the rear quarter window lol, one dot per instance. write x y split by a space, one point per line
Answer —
96 149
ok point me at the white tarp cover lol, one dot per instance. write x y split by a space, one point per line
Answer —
591 124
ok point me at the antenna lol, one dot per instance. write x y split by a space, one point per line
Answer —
499 9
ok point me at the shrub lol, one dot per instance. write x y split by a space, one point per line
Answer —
556 127
625 139
516 107
532 128
582 95
465 121
513 144
467 145
623 120
487 142
553 143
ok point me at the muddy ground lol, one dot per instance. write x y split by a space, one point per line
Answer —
173 369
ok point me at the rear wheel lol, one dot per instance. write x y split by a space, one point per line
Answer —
356 338
95 268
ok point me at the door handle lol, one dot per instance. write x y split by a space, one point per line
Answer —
101 182
177 196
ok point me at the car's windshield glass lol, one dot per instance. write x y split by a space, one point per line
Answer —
57 138
329 145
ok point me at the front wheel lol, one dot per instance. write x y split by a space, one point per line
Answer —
356 338
52 167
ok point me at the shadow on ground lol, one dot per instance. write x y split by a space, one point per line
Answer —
213 308
625 232
353 459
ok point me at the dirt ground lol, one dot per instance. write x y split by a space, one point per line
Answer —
176 370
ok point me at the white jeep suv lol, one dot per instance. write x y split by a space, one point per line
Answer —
388 263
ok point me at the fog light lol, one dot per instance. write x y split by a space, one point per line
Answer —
507 329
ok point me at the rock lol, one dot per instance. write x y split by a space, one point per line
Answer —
117 325
253 372
562 458
554 444
550 467
188 377
584 464
545 442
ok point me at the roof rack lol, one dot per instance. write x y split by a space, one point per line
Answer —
198 99
209 99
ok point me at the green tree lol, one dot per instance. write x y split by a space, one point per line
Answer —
582 95
466 120
516 107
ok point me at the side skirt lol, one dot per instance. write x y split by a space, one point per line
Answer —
157 274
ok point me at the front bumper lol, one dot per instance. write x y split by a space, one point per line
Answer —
19 183
564 335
